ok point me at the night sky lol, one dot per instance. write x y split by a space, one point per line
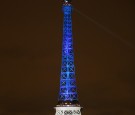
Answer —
30 56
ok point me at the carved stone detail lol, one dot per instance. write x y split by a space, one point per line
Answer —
68 111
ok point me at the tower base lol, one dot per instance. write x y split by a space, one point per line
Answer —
68 110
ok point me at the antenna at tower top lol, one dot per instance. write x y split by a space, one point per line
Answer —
67 1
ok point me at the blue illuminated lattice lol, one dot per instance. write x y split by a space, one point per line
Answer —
68 90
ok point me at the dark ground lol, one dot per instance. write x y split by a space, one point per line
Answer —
30 56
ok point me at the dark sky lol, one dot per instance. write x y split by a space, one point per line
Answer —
30 56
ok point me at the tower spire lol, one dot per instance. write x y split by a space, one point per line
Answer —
68 98
68 89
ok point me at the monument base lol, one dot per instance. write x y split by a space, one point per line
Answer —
68 110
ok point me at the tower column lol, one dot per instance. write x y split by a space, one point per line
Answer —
68 103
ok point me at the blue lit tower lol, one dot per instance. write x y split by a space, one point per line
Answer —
68 99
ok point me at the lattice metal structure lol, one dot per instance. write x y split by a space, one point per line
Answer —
68 90
68 99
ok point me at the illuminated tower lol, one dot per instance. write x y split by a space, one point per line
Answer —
68 99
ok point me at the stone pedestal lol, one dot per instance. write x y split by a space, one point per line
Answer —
68 110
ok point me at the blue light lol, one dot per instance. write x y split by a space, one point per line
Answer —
68 89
